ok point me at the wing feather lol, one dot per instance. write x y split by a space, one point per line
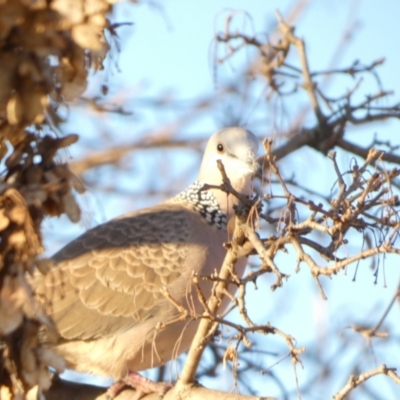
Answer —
109 278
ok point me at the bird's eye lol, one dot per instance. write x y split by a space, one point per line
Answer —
220 148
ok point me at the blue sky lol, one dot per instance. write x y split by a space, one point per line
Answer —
172 48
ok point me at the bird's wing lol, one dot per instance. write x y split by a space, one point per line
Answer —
109 279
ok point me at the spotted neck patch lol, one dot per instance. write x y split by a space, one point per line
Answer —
204 202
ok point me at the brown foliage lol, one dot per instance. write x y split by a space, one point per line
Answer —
46 49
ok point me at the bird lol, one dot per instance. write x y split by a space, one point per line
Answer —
116 292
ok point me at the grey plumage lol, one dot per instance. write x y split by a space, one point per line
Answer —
109 289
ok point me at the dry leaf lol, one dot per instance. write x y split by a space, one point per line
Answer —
44 378
95 6
33 174
4 221
230 355
35 197
15 109
71 207
71 10
88 36
34 102
17 239
98 20
17 214
12 298
48 358
7 71
12 13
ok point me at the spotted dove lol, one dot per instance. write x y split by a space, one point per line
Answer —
113 288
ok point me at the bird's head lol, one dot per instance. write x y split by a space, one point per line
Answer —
237 149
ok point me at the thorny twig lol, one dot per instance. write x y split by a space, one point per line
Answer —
355 381
361 193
